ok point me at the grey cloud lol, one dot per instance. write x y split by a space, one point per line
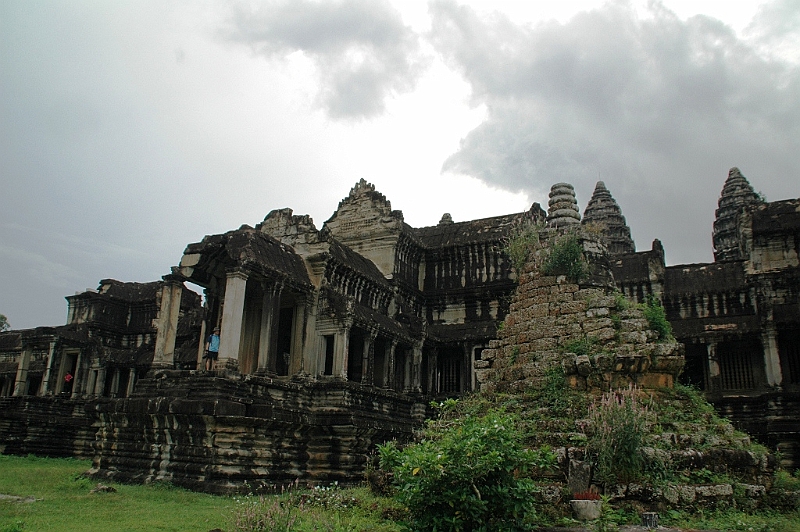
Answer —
656 106
361 48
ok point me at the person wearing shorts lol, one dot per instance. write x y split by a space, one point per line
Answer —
212 350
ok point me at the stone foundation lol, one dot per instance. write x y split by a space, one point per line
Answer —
222 435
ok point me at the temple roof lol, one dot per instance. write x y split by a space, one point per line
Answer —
737 195
603 211
449 233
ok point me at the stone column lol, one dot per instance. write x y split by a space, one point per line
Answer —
298 329
368 362
101 382
77 381
232 314
772 359
389 374
713 366
268 339
167 324
21 384
51 355
92 384
131 382
311 342
201 347
115 383
433 364
416 368
341 352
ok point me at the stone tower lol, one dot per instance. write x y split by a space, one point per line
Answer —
562 207
604 211
737 195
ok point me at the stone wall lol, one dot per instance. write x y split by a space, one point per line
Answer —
599 340
223 435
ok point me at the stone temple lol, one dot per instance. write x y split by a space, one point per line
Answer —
335 339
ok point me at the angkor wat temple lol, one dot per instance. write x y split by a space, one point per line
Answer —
337 338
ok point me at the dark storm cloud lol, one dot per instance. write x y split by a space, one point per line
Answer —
361 48
657 107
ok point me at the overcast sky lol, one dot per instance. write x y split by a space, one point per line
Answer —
130 129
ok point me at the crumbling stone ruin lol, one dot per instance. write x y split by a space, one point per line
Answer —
334 339
585 331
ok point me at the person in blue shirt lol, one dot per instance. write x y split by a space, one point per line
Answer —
212 350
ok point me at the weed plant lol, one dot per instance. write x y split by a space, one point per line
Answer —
617 425
566 258
523 240
657 319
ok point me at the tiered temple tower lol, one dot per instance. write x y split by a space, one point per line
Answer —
603 211
737 195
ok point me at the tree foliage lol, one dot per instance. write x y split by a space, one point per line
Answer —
4 325
469 475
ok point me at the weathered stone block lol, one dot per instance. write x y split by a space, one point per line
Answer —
633 325
603 335
579 476
583 365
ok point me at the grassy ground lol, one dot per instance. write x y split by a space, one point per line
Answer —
63 503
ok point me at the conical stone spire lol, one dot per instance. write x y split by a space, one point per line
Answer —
603 211
562 207
737 195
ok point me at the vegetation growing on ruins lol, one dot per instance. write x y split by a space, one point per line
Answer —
522 241
565 257
64 502
657 319
468 473
4 325
617 427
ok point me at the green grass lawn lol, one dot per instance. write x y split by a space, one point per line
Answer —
63 501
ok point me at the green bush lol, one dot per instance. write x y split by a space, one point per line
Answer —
657 318
520 243
470 475
566 258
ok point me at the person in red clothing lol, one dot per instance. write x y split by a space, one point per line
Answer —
68 378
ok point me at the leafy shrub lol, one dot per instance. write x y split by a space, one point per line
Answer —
617 423
566 258
520 243
657 318
470 476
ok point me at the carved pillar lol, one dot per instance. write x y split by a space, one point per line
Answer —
772 360
51 355
368 362
433 364
311 359
390 373
21 384
467 369
131 382
341 352
268 339
298 329
101 382
168 315
713 366
416 368
77 380
114 383
92 384
201 346
232 317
